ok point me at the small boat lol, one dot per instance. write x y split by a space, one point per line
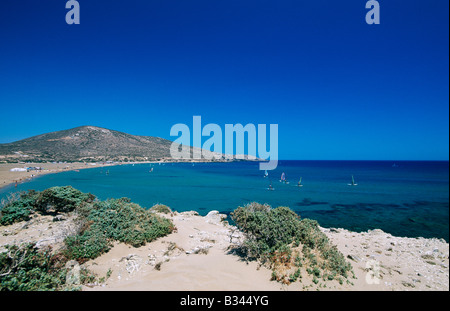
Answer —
353 182
151 170
266 174
299 184
271 188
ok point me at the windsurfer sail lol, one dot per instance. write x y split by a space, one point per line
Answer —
353 182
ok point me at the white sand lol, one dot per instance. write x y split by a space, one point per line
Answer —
397 263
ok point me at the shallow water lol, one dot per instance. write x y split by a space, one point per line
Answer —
408 199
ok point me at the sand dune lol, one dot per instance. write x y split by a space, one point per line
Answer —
197 257
380 262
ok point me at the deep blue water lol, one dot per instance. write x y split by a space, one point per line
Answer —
408 199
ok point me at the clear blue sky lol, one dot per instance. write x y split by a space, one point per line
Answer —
337 87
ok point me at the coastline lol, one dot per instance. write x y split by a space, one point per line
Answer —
8 177
400 263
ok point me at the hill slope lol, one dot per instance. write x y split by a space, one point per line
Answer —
86 143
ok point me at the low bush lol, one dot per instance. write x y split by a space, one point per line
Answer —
115 220
17 207
61 200
282 240
100 223
161 208
25 268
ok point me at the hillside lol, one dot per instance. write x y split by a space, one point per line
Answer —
86 143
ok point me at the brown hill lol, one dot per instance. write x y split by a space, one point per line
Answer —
86 143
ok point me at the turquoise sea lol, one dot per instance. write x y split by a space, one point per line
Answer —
404 198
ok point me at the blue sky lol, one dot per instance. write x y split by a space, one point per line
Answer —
337 87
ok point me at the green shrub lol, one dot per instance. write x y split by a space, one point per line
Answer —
272 235
18 207
267 229
61 199
27 269
90 244
161 208
115 220
101 223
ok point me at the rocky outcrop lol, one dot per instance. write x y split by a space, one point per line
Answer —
400 263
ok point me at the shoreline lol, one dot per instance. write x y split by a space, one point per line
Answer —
8 178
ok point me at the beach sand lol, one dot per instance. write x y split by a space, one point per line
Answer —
7 177
197 257
380 261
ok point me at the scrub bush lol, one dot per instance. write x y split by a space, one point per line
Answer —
115 220
61 200
281 239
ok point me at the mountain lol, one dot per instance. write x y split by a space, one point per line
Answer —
86 143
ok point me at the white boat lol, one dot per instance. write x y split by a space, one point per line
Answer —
299 184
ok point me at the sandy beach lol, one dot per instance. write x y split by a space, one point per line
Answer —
11 177
8 177
198 256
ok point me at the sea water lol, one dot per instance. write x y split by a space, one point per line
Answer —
405 198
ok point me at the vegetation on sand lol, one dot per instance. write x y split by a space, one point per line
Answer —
278 238
99 223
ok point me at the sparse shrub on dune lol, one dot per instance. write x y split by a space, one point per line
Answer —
24 268
100 223
17 207
115 220
161 208
61 199
286 243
